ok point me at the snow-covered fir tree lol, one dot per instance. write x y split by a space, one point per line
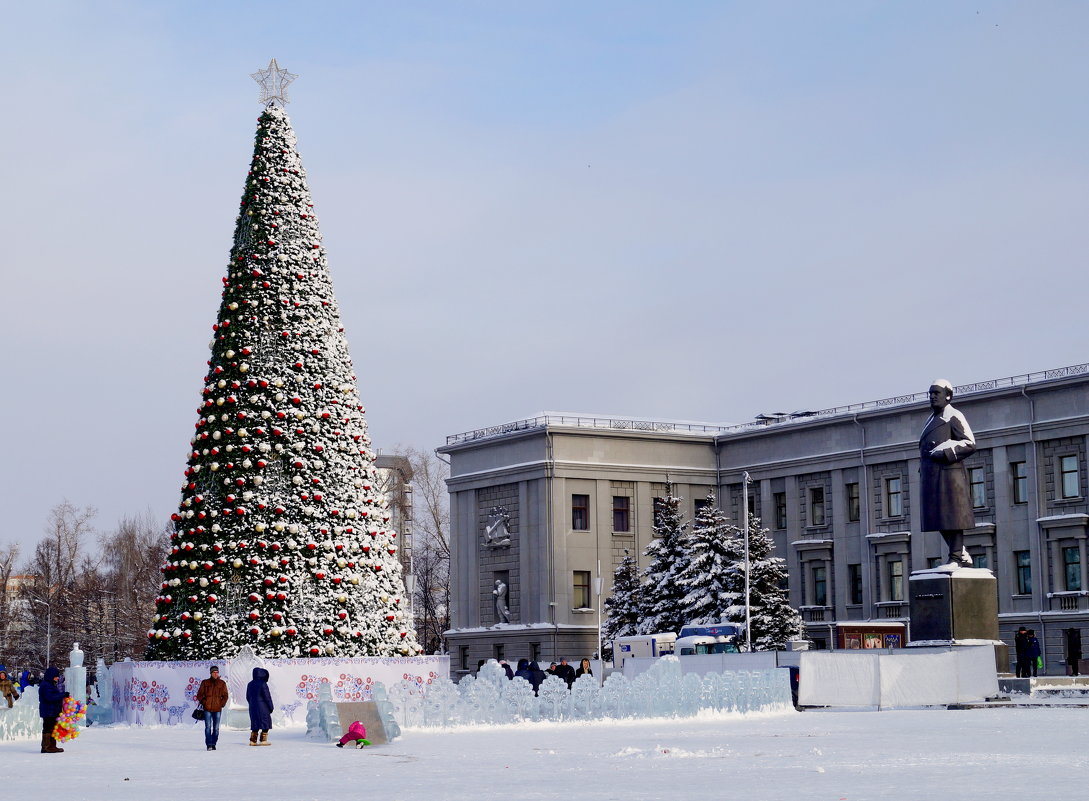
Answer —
663 594
282 539
773 620
623 607
713 551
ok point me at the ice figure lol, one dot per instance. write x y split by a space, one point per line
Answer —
440 702
614 696
75 676
385 711
521 701
407 698
322 721
662 691
554 697
691 696
21 722
100 702
584 697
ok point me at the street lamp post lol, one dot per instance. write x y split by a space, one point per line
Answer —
745 529
48 628
600 656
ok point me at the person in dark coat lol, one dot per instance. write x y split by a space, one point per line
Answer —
523 669
1020 647
50 699
1034 651
506 668
946 442
536 676
260 702
565 672
584 668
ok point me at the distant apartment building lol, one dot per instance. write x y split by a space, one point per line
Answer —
538 504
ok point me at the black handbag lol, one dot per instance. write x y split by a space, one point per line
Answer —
198 713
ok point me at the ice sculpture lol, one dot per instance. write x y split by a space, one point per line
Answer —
663 691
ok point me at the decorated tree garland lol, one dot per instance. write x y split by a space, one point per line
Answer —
282 540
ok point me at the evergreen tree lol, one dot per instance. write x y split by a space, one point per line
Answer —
713 551
282 539
773 620
663 594
622 608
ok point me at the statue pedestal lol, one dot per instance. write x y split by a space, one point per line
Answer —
956 606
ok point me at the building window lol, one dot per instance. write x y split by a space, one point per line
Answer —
465 657
977 487
894 497
816 506
854 582
534 652
580 512
933 562
1019 471
699 505
780 499
1024 572
980 561
621 513
498 652
1070 478
854 503
581 589
896 580
820 586
1072 567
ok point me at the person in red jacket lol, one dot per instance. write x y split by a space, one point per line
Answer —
212 695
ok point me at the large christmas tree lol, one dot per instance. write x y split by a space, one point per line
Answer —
282 540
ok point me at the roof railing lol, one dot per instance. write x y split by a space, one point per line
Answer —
763 420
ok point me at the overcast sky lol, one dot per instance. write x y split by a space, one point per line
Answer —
697 210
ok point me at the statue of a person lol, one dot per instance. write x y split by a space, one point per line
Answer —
945 443
502 613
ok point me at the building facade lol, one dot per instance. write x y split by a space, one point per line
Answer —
537 505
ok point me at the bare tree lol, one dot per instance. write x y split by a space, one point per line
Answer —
431 548
51 608
131 557
9 556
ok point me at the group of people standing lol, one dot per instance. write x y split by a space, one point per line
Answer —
212 697
531 671
1028 651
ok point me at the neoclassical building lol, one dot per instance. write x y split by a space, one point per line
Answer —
538 504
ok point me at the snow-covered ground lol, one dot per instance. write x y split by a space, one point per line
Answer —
1011 753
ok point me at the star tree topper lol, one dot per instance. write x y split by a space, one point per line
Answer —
273 81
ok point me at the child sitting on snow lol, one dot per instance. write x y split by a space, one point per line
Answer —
357 733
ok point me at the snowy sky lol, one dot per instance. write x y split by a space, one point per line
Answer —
699 210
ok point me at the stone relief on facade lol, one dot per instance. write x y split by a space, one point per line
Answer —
496 532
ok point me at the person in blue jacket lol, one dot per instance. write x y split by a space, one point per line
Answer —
50 699
260 702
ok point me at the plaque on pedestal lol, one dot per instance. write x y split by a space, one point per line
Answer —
953 605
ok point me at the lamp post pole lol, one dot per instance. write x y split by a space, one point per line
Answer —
600 657
48 628
745 529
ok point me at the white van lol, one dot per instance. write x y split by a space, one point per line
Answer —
642 645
